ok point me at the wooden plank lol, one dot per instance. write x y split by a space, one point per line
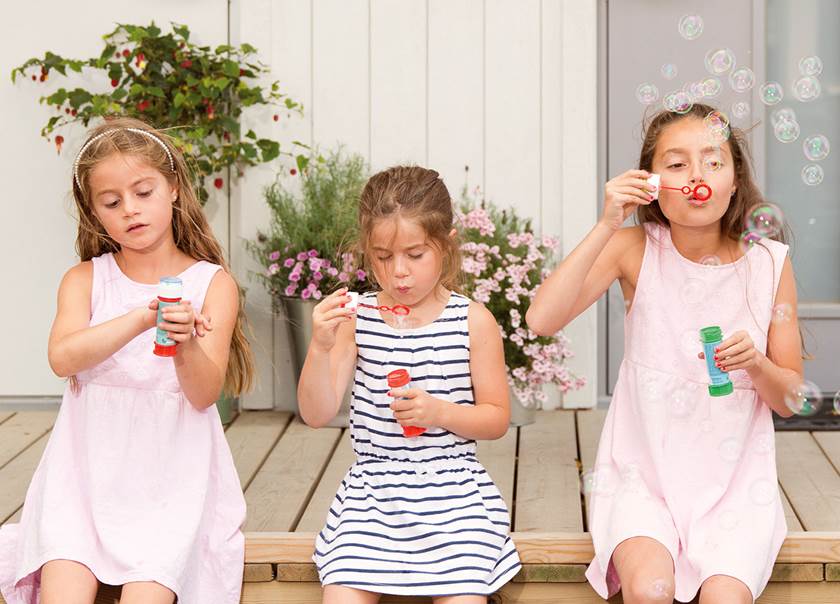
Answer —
832 572
537 548
829 442
22 430
797 572
547 484
551 573
800 593
252 437
280 491
316 512
809 480
499 459
4 415
16 475
793 523
589 425
258 572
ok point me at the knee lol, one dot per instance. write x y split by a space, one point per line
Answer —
720 589
648 590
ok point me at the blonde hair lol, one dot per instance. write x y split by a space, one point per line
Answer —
417 194
190 229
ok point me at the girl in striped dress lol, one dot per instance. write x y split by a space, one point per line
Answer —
414 515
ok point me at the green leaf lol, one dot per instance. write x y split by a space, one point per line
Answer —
136 89
78 97
247 49
250 134
156 91
179 99
231 69
221 83
58 97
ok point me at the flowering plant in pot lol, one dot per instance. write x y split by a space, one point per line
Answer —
503 263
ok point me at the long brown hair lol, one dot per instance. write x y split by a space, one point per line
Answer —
417 194
190 228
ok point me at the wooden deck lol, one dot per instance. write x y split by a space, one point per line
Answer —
290 473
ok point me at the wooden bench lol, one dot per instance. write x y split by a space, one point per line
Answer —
290 472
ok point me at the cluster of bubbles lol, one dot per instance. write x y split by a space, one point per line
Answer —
717 126
816 148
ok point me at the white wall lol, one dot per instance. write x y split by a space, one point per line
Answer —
38 232
507 87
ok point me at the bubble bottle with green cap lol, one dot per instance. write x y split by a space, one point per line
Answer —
711 337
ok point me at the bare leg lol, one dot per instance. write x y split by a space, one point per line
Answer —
721 589
646 571
460 600
67 582
339 594
146 592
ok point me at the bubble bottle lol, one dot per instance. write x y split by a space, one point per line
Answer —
398 380
169 293
711 337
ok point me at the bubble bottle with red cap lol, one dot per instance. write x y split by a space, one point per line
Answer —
398 381
169 293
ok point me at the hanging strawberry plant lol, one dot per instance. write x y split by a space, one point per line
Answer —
197 93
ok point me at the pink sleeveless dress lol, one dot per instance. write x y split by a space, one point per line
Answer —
695 472
135 483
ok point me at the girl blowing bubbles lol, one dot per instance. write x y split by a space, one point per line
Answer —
137 485
684 492
413 516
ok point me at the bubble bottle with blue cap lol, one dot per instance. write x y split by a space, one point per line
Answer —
711 337
169 293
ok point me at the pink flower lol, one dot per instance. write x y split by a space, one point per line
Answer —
272 270
302 256
342 276
305 294
361 275
274 255
317 294
313 253
291 289
294 277
288 262
317 276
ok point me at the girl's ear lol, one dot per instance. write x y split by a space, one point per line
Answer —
453 232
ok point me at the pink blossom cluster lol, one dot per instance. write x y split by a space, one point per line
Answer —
307 275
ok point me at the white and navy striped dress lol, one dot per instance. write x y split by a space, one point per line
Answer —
414 516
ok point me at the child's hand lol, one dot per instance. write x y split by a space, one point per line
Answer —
622 194
181 320
415 407
735 352
327 316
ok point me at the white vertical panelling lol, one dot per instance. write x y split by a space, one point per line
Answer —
341 74
512 101
551 133
456 99
281 31
397 83
580 173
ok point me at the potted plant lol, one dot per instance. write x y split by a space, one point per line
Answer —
195 92
503 263
306 251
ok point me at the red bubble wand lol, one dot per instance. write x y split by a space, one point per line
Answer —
702 192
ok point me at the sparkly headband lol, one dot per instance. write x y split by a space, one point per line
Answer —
100 135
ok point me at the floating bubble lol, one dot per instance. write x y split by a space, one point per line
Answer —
730 449
806 89
603 481
713 161
764 444
669 71
719 60
711 87
682 103
782 313
586 481
661 590
812 175
710 260
647 93
766 219
748 239
740 109
693 291
837 403
717 124
771 93
786 131
804 399
682 403
742 79
695 92
810 66
785 114
763 492
816 147
690 26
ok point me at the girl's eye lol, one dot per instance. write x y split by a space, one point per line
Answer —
145 193
415 256
677 165
113 204
383 258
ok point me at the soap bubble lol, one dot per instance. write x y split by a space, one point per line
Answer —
771 93
690 26
711 87
740 109
602 481
719 61
806 89
837 402
682 104
782 313
804 399
786 131
812 175
730 449
810 66
766 219
710 260
816 147
661 589
742 79
785 114
647 94
682 403
669 71
713 160
748 239
695 91
693 291
764 444
717 124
